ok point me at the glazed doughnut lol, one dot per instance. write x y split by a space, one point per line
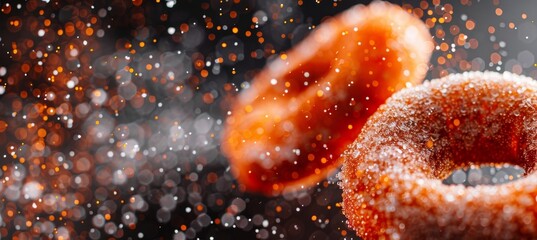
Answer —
392 173
288 129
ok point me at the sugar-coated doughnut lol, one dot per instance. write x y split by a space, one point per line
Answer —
289 128
392 173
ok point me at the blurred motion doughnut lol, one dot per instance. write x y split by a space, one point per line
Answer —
289 128
392 173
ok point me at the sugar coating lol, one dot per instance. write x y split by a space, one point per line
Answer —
392 173
287 130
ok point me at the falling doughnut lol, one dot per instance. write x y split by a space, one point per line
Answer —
289 128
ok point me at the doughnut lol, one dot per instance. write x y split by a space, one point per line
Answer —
289 128
392 174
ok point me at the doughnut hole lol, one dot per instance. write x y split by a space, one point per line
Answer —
484 174
392 174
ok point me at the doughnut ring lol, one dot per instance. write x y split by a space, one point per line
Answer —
392 173
287 130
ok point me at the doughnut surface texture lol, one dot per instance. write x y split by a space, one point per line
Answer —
289 128
392 173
